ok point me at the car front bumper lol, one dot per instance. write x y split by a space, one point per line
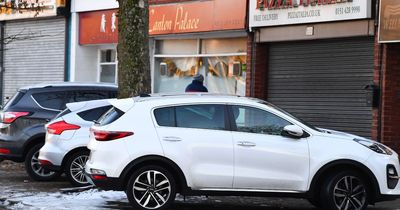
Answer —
379 164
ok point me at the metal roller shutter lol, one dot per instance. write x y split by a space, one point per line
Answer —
323 82
36 55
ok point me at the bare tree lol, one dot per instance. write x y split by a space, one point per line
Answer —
133 48
22 6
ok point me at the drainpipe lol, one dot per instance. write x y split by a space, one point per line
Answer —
253 64
2 23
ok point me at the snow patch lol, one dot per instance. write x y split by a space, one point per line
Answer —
45 201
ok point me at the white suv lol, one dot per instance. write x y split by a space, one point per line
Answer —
200 144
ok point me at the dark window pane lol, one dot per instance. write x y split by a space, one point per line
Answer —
254 120
165 116
89 95
53 100
93 114
112 94
201 116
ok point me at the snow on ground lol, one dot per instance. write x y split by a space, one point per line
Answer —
90 199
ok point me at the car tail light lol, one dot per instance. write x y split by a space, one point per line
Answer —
97 174
4 151
99 177
45 163
9 117
58 127
109 135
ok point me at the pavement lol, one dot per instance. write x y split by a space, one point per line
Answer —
18 191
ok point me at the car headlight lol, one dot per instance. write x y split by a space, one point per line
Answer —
375 146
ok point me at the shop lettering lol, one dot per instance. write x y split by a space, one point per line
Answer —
101 37
304 14
282 4
162 25
182 22
391 23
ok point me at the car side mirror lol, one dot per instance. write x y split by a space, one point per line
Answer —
293 131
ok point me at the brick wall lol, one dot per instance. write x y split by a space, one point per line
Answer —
390 119
260 73
375 133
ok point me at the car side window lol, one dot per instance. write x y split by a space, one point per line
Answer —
165 116
51 100
200 116
88 95
253 120
94 114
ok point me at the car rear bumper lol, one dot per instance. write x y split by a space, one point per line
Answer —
52 153
52 168
14 150
106 183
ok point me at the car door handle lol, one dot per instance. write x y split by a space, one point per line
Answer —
246 144
171 138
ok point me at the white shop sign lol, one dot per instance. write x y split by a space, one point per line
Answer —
286 12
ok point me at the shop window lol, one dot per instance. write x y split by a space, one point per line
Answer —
225 74
221 61
108 66
217 46
177 47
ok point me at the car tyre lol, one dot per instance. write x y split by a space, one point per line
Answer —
345 190
151 187
74 168
34 169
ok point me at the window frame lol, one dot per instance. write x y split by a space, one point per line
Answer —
174 106
65 94
100 64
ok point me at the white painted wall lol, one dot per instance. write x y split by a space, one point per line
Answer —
86 64
83 58
92 5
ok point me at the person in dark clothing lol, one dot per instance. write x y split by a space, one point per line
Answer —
197 84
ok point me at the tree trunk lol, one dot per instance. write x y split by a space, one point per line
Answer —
133 48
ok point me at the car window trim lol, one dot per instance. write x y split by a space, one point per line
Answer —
49 109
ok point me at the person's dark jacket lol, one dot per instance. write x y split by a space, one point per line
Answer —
196 86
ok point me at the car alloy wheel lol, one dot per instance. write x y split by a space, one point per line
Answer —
34 169
349 193
151 187
77 169
74 168
37 168
345 190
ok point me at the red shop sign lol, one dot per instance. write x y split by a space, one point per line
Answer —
100 27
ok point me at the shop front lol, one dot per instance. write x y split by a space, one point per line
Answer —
389 46
205 37
316 58
94 39
33 44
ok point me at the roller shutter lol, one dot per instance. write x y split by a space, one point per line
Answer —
36 55
323 82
